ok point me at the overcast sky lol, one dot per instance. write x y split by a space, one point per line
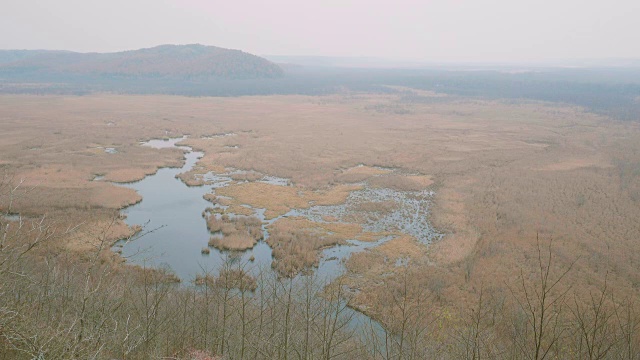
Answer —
438 30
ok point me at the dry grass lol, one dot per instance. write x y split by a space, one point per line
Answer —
360 173
378 275
223 201
423 181
239 210
239 233
234 242
191 179
278 200
94 230
503 171
402 247
247 176
230 225
369 266
194 177
296 242
402 182
366 170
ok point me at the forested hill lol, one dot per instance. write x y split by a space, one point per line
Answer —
165 61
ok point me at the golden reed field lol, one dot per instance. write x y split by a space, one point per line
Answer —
504 174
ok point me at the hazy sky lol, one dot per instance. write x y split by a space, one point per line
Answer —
438 30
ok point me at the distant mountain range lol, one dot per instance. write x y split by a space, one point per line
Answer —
165 61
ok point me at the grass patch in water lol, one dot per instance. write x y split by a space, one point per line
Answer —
239 233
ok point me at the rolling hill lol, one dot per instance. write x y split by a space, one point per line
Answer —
164 61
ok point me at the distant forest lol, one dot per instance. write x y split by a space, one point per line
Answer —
609 91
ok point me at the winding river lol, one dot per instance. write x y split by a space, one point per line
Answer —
174 230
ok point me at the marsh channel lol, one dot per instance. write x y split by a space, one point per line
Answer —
174 230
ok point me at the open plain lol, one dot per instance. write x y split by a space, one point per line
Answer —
502 173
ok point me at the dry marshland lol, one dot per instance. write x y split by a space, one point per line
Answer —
234 241
402 182
278 200
239 232
502 172
296 241
360 173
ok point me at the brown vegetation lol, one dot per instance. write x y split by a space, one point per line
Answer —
239 232
54 306
360 173
247 176
402 182
502 173
218 200
296 242
191 179
278 200
194 177
239 210
62 308
236 242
